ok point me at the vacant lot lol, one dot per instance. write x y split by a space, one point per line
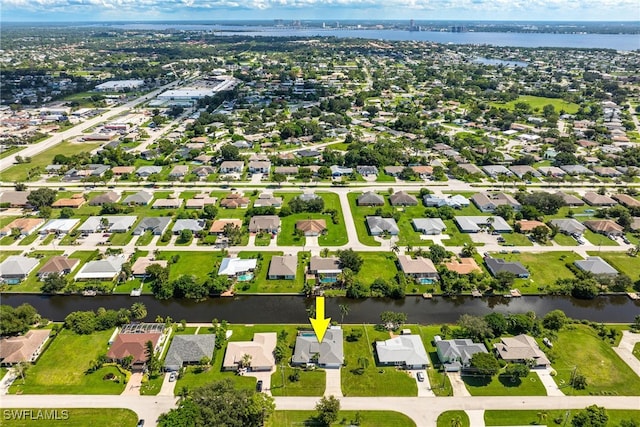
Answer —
546 418
198 264
579 347
501 385
367 419
538 102
376 265
61 369
446 419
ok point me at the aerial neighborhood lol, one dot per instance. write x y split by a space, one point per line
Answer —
176 214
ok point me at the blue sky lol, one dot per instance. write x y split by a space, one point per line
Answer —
144 10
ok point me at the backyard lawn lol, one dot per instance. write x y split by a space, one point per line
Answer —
61 368
367 419
579 346
19 172
377 265
261 284
31 283
501 385
374 380
446 419
75 417
544 267
622 262
546 417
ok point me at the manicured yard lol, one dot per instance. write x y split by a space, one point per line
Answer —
75 417
544 268
622 262
198 264
446 418
61 368
374 380
440 384
152 386
636 350
599 239
579 346
377 265
367 419
501 385
27 240
19 172
546 417
31 283
5 254
564 240
261 284
456 238
144 239
263 239
538 102
516 239
311 383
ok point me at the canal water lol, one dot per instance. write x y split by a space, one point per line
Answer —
293 309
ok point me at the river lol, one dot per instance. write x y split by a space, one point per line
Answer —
624 42
292 309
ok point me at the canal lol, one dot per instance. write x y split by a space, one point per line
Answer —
293 309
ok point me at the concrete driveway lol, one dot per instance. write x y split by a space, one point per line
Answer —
265 376
168 387
424 387
548 382
334 385
133 386
625 350
457 384
6 382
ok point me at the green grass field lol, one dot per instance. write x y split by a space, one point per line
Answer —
375 380
198 264
564 240
61 368
538 102
367 419
599 239
544 268
446 419
19 172
546 418
260 282
622 262
311 383
579 346
359 218
516 239
501 385
72 417
377 265
636 350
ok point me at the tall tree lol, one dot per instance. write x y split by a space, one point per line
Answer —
328 409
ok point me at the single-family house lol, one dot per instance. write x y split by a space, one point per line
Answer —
527 225
157 225
576 170
403 350
146 171
61 265
139 267
189 350
367 170
499 265
203 172
456 354
111 223
141 198
473 224
495 170
456 201
259 352
595 265
25 225
338 171
104 269
195 225
552 171
167 203
234 267
259 167
429 226
59 226
393 170
326 270
627 200
23 348
102 199
312 227
234 201
232 166
604 226
134 345
402 198
122 170
15 199
570 199
267 200
521 170
488 202
595 199
521 349
423 171
379 225
16 268
218 226
327 354
420 268
283 267
179 171
268 223
463 266
370 199
75 201
569 226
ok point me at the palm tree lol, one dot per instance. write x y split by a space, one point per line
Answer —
246 361
456 421
21 369
324 252
468 250
395 249
409 247
344 311
542 416
138 311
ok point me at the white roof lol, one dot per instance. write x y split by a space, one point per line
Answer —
233 266
406 349
115 223
105 268
17 265
60 225
472 223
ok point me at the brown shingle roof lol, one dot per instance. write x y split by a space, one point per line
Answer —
59 264
132 344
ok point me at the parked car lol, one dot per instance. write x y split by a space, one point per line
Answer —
140 423
259 386
420 376
172 377
546 342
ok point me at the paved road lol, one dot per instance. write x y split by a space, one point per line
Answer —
423 410
77 130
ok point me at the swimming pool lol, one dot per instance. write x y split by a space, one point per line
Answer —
245 277
426 281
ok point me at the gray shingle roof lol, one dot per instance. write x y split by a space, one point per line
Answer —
189 349
330 350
